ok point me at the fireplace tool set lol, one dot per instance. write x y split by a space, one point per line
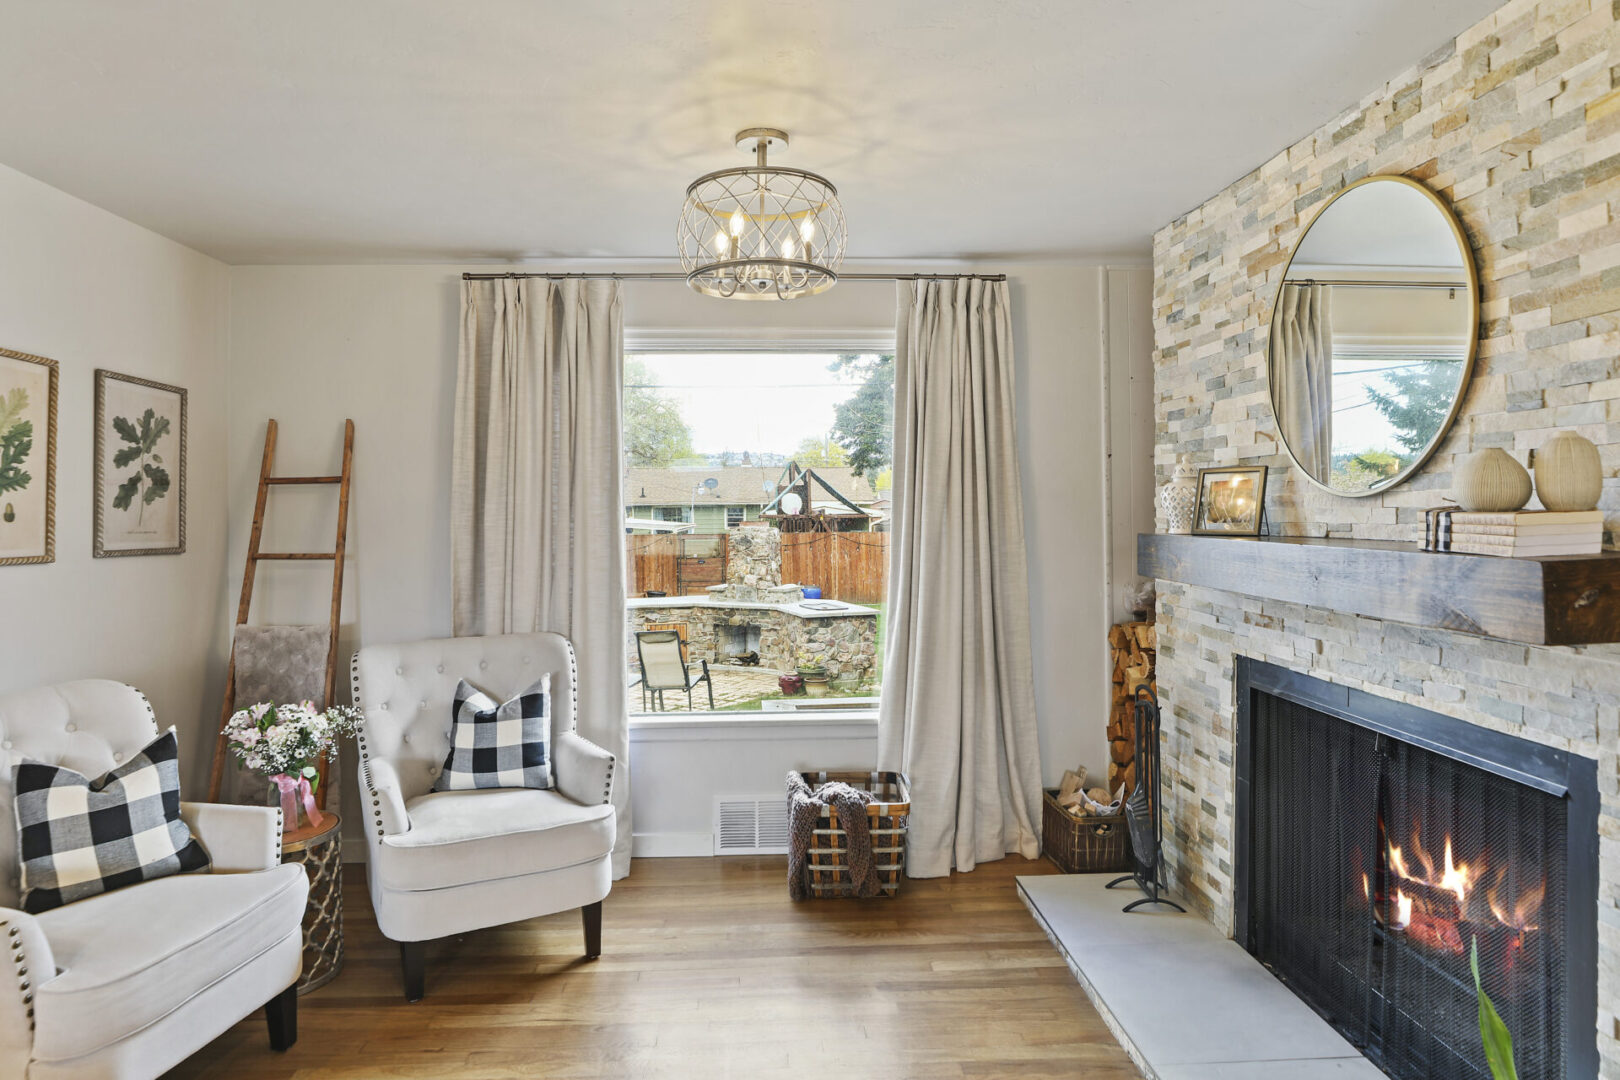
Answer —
1143 814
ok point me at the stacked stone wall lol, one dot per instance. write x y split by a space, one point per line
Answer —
1516 124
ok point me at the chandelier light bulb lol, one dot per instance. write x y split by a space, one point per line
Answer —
738 223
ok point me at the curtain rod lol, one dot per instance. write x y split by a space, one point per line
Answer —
1350 283
675 275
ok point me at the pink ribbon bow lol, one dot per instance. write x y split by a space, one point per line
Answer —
293 789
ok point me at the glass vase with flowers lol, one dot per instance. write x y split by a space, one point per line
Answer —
285 742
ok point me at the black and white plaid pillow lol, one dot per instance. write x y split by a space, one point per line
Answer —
79 837
499 746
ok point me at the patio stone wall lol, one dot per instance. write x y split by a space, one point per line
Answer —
845 644
1516 124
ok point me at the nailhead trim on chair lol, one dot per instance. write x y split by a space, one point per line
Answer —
150 715
573 682
19 961
360 741
573 679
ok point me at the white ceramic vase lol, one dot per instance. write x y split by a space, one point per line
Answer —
1179 496
1490 480
1569 473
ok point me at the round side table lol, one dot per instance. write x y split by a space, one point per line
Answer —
320 850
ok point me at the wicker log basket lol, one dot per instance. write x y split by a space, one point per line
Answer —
826 866
1085 844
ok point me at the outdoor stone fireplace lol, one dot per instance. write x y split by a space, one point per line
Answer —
754 612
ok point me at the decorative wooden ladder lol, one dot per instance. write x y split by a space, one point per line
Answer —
255 556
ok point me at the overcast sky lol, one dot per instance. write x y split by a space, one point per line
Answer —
759 402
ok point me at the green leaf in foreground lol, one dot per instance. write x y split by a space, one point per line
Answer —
1492 1032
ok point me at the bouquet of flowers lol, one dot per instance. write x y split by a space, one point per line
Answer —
284 742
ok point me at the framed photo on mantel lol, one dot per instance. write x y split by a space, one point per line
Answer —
1231 501
27 458
140 485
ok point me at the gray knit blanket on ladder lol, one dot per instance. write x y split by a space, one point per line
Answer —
804 812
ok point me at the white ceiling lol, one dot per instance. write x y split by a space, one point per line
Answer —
364 130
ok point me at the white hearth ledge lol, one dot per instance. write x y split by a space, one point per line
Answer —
1186 1002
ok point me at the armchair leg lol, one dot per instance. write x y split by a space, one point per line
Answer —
413 964
592 914
281 1016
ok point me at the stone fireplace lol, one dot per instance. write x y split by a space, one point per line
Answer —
1378 843
1469 122
754 612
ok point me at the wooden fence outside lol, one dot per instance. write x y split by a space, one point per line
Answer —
852 566
847 566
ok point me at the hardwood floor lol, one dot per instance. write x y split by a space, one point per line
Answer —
708 970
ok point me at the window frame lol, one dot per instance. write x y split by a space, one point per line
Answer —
788 341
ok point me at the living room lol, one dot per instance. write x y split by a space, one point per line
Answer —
1173 444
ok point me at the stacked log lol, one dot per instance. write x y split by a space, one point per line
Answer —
1132 646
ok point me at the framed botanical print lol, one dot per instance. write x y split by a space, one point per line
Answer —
27 458
1231 501
140 486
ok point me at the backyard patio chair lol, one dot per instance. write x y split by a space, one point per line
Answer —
663 667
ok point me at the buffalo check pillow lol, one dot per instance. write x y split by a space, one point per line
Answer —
79 837
498 745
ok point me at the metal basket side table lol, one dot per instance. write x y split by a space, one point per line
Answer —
320 851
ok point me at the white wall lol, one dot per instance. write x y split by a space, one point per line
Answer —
312 345
91 290
1128 427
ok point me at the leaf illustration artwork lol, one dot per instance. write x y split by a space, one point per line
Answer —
16 440
141 452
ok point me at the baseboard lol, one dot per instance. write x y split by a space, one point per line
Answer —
672 845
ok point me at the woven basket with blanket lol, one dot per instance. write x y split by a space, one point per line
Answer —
847 833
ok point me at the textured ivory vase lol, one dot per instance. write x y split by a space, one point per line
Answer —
1569 473
1179 496
1490 480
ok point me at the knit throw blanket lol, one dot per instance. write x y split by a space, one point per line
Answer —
804 811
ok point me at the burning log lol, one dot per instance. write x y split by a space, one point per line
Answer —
1429 900
1435 934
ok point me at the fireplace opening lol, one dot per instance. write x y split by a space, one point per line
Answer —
1378 842
737 640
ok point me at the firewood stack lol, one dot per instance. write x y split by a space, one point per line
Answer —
1132 645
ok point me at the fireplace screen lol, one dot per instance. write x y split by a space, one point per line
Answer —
1374 864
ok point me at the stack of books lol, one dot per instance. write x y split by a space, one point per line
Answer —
1515 533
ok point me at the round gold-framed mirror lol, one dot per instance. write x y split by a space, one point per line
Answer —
1373 334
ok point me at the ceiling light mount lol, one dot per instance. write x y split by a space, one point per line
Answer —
761 231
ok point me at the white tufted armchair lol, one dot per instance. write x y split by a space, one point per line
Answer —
443 863
132 982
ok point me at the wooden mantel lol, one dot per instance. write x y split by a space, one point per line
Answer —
1569 600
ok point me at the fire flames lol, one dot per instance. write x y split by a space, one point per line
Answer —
1440 903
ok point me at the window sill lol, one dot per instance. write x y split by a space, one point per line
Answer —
853 724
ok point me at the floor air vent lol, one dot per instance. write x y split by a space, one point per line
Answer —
750 825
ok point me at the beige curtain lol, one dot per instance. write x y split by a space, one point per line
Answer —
958 708
1302 375
536 529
